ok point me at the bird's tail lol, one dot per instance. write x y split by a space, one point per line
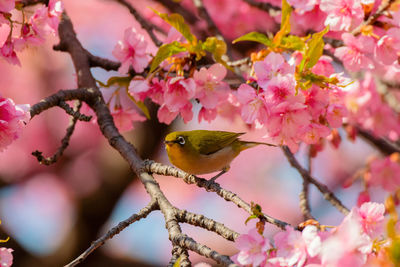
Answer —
248 144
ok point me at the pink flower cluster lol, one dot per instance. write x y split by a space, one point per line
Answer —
12 118
349 244
289 115
385 173
122 108
6 257
131 51
175 94
367 109
34 31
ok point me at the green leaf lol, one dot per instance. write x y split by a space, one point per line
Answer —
285 24
217 48
116 80
164 52
178 22
285 19
139 104
255 37
315 48
250 218
293 42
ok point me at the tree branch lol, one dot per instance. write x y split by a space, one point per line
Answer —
146 25
181 254
328 195
178 8
64 141
81 94
206 223
74 113
162 169
189 243
143 213
381 144
262 5
371 20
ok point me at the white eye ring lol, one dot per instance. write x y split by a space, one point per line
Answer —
181 140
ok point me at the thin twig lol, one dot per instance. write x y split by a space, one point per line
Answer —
74 113
162 169
206 223
381 144
64 142
383 7
81 94
114 231
262 5
328 195
181 254
145 24
187 242
212 27
178 8
304 195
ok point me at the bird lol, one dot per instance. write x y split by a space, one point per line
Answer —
202 151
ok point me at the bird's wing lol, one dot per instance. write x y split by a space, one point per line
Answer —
212 141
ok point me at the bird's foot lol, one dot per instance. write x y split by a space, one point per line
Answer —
212 180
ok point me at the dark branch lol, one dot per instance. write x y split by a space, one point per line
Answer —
371 20
262 5
328 195
81 94
74 113
162 169
206 223
181 254
178 8
114 231
64 142
145 24
381 144
189 243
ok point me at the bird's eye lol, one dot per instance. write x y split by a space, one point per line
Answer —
180 140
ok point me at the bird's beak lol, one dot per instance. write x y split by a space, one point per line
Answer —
169 142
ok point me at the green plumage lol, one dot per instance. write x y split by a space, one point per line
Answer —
207 142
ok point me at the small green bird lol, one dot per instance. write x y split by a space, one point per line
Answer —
202 151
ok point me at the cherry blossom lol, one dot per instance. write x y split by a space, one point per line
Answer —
347 246
178 92
254 108
122 108
45 20
166 116
303 5
272 65
253 248
6 257
366 108
371 218
12 118
131 51
386 173
294 247
355 54
342 14
387 48
139 89
8 53
210 87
